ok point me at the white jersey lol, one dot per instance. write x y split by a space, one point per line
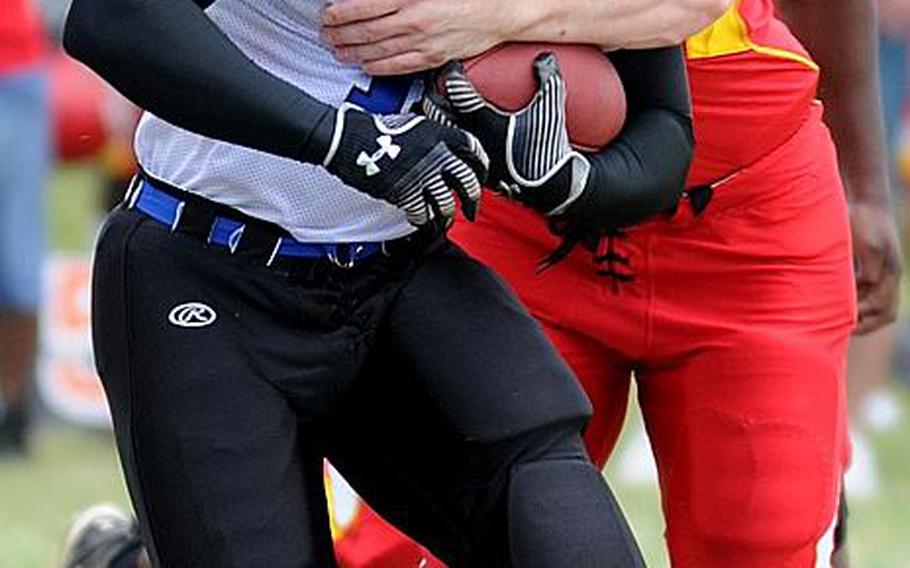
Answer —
281 36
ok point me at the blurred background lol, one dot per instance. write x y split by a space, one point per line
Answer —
67 135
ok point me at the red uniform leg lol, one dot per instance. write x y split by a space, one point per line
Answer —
746 437
743 392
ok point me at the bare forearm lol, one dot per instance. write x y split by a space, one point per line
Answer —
841 35
395 37
616 23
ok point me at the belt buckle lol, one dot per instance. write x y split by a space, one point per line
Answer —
347 263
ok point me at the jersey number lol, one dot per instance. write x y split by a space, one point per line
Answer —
386 95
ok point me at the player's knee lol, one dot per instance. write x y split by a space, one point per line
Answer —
560 441
768 490
561 513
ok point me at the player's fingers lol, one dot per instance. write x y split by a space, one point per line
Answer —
460 91
462 181
879 295
872 322
436 108
415 209
878 304
350 11
469 150
360 34
546 69
551 94
439 197
382 48
878 287
470 183
543 123
869 266
403 64
874 314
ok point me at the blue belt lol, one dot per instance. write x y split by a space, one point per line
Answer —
226 232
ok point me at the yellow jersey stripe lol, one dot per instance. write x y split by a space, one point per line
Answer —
730 35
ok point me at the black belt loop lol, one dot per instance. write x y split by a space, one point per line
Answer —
197 221
132 188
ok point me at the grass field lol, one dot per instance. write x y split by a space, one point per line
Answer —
71 468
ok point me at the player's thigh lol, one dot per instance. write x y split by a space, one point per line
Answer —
606 377
471 346
459 386
24 165
217 466
749 441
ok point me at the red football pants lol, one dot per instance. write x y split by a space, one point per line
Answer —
735 324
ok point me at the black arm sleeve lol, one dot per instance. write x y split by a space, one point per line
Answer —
643 171
168 57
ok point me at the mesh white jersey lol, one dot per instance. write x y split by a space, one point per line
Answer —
282 36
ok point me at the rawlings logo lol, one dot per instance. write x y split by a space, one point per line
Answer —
386 148
192 315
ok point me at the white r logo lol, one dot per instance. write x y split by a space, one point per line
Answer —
192 315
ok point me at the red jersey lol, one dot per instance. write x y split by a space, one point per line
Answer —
21 37
753 84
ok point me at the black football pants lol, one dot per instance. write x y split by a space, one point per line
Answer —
223 417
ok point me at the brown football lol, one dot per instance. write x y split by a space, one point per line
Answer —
596 105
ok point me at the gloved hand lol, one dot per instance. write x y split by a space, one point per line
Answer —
532 159
408 161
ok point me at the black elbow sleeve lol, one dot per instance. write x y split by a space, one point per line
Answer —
643 171
641 175
654 79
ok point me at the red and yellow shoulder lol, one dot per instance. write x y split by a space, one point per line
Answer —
749 26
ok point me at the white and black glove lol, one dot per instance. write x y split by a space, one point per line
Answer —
413 163
532 159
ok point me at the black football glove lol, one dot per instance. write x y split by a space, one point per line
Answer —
412 163
532 159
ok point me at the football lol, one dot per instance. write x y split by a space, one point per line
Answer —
596 106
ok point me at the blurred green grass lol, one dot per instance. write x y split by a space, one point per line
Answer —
68 471
73 209
72 469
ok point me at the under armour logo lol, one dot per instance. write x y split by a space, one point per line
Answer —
386 148
192 315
